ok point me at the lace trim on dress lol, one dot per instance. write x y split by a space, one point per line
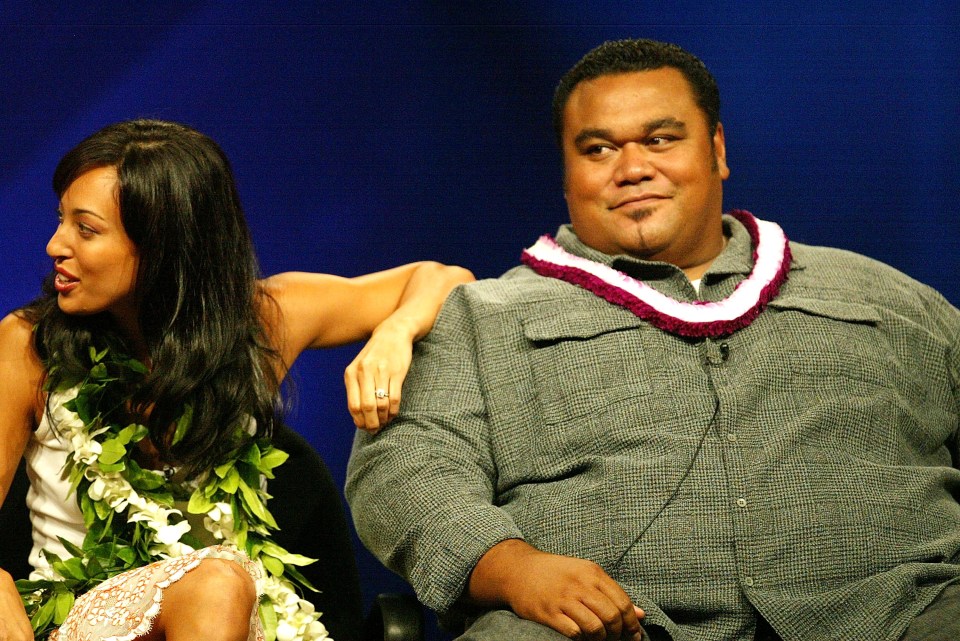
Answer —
124 607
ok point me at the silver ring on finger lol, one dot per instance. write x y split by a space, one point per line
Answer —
381 393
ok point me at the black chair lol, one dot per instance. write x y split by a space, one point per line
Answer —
15 534
306 504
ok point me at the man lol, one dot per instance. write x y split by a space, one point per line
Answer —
583 446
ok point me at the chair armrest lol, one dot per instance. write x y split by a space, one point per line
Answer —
394 617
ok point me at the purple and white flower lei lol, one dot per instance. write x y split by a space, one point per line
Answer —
697 319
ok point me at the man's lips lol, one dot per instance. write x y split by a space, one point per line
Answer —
638 200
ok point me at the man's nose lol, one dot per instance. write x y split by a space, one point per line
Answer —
633 165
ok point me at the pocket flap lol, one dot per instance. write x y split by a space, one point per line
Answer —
571 320
835 309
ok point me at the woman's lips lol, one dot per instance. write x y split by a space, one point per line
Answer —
64 282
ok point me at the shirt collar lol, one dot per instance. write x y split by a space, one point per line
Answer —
736 257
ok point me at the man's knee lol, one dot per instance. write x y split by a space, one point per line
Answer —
940 621
497 625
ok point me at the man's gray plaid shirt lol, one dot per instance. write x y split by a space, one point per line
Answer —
805 466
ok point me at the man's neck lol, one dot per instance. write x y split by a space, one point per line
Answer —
696 272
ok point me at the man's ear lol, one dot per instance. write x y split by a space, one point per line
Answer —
720 153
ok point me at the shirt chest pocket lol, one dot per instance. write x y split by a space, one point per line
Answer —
584 363
823 340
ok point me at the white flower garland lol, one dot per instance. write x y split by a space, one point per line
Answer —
296 619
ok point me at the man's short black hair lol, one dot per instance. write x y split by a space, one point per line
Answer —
625 56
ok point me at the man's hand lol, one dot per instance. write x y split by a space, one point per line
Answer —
573 596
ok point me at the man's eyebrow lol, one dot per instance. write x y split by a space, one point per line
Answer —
587 134
665 123
648 128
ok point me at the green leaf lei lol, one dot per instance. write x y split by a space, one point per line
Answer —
130 512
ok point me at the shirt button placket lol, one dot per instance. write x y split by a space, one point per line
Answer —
717 353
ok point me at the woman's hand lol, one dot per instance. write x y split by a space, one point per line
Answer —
14 624
375 377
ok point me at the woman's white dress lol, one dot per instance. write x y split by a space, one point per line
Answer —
125 606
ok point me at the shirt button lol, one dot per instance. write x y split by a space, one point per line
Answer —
731 437
742 502
748 581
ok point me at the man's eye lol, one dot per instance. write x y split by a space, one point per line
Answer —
660 140
596 150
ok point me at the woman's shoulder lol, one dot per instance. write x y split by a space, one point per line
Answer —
21 372
16 335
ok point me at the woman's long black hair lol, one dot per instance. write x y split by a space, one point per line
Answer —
198 298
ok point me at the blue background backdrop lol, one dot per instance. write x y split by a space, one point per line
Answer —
364 135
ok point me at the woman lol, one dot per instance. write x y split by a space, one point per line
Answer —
146 379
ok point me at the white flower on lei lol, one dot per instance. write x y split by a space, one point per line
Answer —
171 533
83 443
154 514
45 573
85 449
219 521
66 420
297 619
113 489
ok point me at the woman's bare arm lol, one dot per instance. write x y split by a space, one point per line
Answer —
391 309
20 407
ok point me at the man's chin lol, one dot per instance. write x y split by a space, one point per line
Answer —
639 214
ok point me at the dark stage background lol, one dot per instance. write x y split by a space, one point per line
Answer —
369 134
